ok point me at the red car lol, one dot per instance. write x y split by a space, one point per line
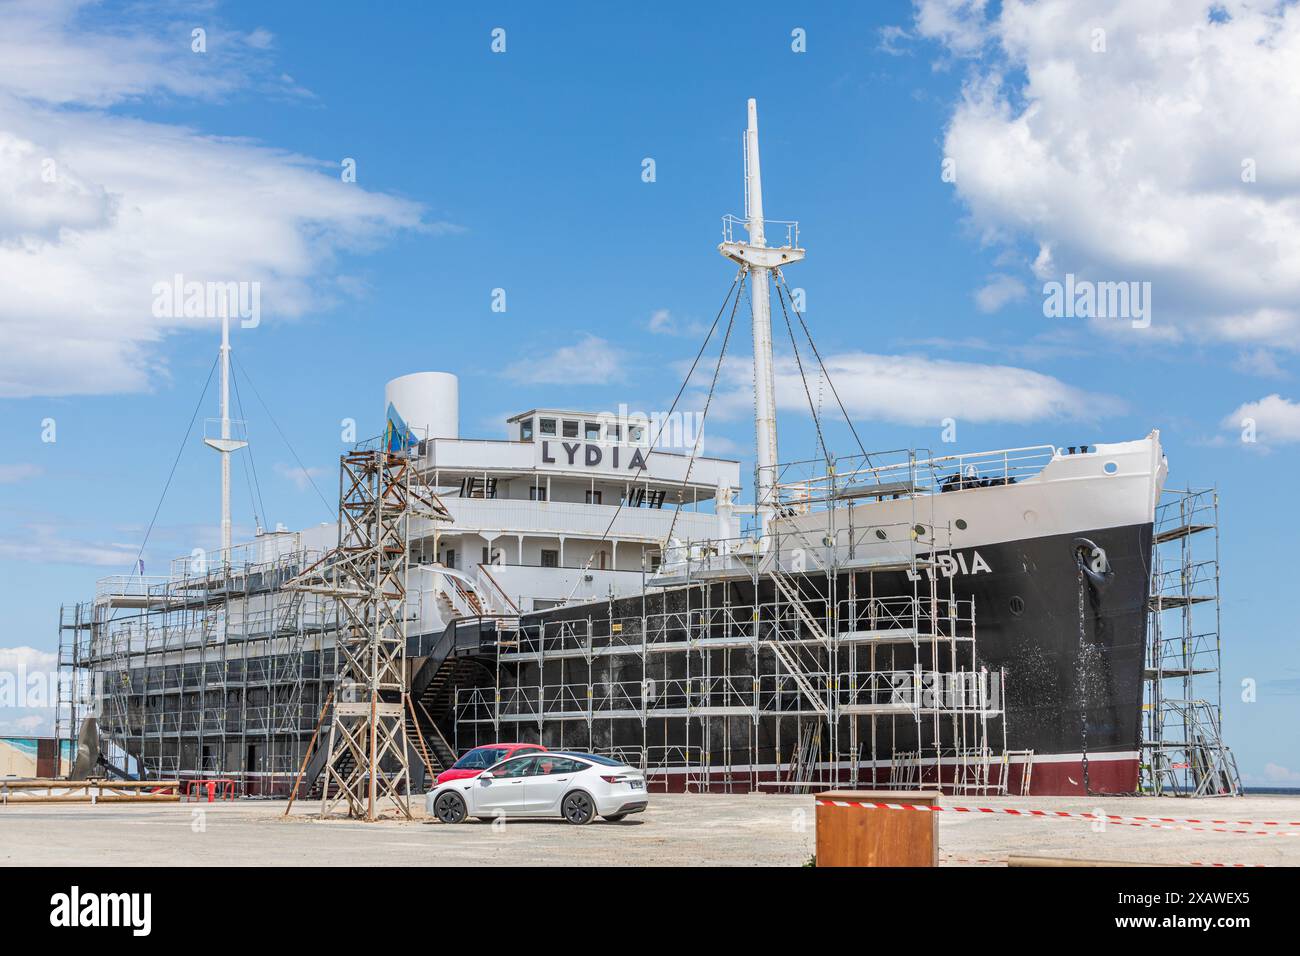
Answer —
475 761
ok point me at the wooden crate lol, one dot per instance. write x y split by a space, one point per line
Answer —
861 836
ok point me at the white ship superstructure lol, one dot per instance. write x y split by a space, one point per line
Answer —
571 505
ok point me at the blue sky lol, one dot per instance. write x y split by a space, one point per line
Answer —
522 171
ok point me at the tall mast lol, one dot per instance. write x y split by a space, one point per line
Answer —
225 444
759 260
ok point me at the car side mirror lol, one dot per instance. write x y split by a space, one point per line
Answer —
485 775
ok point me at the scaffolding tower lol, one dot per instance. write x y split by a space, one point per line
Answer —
778 661
1183 748
366 764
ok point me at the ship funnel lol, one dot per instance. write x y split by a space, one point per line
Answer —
428 402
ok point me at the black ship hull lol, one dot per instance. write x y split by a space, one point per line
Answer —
1072 684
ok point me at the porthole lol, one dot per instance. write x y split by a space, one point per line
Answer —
961 524
920 530
880 533
1110 467
1017 605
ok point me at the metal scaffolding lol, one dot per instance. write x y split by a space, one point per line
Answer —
210 671
1183 750
774 662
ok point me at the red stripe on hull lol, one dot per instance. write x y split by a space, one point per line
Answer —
1057 779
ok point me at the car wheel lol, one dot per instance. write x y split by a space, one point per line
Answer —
614 817
578 808
449 808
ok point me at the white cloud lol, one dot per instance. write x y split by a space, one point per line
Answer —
592 361
721 446
998 291
1276 773
1127 164
958 24
15 660
21 471
302 478
661 322
132 203
48 543
1277 420
33 725
911 390
893 40
1259 362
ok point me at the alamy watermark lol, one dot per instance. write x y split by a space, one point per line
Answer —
44 689
1085 299
665 430
180 299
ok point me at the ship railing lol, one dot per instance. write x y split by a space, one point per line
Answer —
792 549
735 229
128 585
809 485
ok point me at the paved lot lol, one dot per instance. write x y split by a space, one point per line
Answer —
677 830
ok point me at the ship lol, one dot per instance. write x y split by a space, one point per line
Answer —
902 619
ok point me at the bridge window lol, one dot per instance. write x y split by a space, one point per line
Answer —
550 558
548 426
570 429
592 431
526 430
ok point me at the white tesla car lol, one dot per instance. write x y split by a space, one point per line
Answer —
575 786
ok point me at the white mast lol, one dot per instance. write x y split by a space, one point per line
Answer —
760 260
225 444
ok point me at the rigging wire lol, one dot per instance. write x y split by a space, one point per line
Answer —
739 279
259 504
258 395
816 416
699 435
829 381
172 474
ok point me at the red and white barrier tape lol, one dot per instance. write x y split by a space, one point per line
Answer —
1002 861
1163 823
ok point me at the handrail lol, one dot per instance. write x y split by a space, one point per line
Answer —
509 604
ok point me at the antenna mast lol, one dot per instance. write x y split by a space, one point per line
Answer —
224 445
760 260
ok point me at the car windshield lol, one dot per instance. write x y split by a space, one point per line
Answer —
594 758
480 758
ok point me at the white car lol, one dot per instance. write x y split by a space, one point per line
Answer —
575 786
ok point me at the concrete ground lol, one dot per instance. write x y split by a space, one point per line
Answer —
677 830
